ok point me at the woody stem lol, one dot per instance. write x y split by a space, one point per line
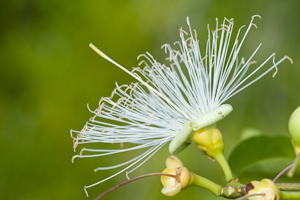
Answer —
131 180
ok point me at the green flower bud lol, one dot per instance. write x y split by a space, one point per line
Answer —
294 127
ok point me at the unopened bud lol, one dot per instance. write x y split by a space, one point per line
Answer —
294 127
209 140
173 186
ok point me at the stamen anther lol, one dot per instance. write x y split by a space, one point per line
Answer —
76 156
287 57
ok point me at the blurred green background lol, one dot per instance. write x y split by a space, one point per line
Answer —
48 74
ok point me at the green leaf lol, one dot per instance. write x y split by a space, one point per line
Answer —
259 147
267 168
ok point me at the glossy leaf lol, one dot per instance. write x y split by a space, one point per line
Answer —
259 147
268 168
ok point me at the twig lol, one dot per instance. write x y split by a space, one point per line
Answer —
131 180
282 172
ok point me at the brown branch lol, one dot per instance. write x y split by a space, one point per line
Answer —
131 180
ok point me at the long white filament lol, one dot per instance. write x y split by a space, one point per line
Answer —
150 113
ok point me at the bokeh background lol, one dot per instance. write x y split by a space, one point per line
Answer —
48 74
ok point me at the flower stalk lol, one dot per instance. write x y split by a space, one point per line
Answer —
290 195
200 181
220 158
288 186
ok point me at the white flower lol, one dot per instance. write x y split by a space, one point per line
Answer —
152 111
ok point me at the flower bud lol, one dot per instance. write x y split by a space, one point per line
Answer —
209 140
173 186
265 187
294 127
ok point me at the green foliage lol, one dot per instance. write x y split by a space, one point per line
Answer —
257 148
48 74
